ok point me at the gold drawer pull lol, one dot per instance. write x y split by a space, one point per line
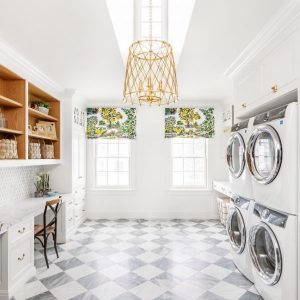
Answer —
244 105
21 258
22 231
274 88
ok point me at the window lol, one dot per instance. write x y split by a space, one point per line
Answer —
159 19
112 163
189 163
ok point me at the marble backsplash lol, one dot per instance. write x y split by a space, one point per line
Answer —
17 183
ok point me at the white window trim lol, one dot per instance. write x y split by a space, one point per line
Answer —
129 187
192 188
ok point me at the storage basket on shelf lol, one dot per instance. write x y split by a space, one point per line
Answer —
9 147
47 150
223 208
34 151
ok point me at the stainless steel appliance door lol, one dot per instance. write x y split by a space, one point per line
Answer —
264 154
236 155
265 253
236 230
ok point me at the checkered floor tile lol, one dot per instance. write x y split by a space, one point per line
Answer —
141 260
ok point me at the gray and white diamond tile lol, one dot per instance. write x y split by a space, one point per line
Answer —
141 260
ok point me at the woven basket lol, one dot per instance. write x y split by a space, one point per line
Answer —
47 150
223 208
34 149
9 147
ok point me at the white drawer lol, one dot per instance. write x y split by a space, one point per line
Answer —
20 230
70 220
78 213
79 192
21 256
69 204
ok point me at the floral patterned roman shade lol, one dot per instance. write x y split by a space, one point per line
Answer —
109 122
189 122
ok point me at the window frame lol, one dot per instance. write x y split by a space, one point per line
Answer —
137 20
190 188
130 171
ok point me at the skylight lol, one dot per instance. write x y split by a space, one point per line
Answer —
130 19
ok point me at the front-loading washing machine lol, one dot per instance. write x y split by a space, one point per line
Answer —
272 158
238 225
239 175
273 251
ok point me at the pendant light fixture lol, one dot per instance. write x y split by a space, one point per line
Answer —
150 77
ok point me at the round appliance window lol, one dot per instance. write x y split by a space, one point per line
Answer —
236 230
265 253
236 155
264 154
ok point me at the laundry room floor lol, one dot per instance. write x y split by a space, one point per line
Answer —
141 259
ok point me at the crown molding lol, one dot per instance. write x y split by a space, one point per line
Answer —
270 31
12 60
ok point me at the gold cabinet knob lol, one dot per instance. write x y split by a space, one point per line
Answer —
244 105
274 88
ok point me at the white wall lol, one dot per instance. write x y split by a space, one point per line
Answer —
151 196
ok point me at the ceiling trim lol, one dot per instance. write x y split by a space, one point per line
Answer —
270 32
12 60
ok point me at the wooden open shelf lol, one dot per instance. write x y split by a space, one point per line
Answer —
4 101
16 95
34 116
10 131
39 115
12 103
37 136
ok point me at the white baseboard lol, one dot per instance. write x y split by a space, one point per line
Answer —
99 214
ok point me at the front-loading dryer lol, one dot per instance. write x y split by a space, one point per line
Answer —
272 158
273 251
239 175
238 225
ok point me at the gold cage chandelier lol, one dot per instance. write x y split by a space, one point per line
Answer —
150 77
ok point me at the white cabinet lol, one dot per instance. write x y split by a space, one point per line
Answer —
17 257
279 66
269 78
79 160
248 89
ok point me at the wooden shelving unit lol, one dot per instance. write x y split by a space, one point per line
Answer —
16 95
34 116
13 104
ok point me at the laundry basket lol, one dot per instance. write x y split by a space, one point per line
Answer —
34 149
9 147
223 208
47 150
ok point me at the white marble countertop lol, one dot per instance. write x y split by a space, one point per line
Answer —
223 187
18 211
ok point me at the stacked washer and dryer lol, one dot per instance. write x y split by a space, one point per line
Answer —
262 223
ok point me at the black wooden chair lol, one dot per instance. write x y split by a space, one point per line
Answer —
42 231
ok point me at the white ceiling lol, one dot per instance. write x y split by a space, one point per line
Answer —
73 42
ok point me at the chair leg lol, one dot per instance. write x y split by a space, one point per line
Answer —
55 244
45 250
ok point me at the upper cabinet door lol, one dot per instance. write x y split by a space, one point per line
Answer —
248 89
75 158
81 157
279 67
